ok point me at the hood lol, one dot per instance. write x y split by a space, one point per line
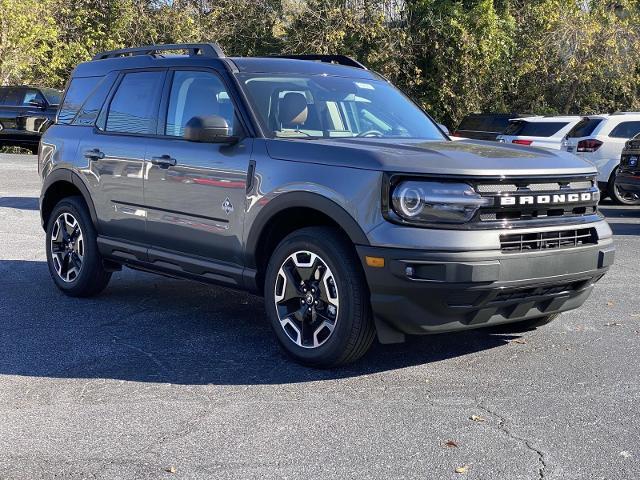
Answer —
466 158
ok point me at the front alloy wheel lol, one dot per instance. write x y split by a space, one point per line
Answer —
306 299
67 247
317 298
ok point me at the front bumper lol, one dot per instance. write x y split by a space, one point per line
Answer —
451 291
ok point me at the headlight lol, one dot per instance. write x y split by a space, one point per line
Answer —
436 202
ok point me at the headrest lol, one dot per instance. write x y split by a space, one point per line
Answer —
292 109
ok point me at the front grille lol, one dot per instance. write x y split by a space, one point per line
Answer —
525 242
547 211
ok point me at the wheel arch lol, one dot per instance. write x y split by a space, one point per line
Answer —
290 212
63 183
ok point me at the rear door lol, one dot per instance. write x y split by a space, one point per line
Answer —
114 153
195 193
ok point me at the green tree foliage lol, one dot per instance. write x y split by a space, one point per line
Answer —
451 56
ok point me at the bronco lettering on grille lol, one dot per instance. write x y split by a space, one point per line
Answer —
553 199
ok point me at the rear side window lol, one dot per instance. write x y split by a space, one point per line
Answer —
625 130
77 93
534 129
13 97
91 108
584 127
134 107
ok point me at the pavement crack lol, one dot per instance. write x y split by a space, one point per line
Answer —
503 426
166 370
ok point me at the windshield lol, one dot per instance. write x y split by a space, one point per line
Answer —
302 106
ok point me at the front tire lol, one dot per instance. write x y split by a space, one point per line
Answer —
317 298
74 261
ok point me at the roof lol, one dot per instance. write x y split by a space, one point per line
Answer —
550 118
274 65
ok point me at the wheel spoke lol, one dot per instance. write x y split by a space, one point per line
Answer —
67 247
306 299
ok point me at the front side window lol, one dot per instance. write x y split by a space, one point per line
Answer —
321 106
13 97
30 96
134 107
625 130
196 94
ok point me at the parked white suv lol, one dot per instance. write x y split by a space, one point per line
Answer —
547 132
600 139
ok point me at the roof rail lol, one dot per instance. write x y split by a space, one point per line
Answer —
339 59
211 50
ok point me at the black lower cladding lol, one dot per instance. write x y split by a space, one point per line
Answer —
419 292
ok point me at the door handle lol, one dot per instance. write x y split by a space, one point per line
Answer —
94 154
164 161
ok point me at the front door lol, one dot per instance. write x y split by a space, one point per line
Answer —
195 193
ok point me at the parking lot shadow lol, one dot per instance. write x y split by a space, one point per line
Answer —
20 203
622 220
148 328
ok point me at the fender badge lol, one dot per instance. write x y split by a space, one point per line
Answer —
227 207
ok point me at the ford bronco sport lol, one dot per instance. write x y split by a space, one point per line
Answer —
312 181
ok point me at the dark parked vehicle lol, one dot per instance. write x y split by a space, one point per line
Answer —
485 126
314 182
25 113
628 176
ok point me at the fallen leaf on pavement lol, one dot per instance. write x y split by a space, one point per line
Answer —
451 443
613 324
170 469
521 341
477 418
462 469
609 303
625 454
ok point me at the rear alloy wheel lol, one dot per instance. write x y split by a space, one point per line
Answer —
317 298
75 264
67 247
619 196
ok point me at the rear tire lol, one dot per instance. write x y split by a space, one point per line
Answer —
75 264
317 298
619 196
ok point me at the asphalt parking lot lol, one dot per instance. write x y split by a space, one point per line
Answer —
161 378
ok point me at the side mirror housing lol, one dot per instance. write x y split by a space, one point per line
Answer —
444 128
37 104
209 129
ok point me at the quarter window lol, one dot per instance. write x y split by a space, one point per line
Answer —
196 94
134 106
79 89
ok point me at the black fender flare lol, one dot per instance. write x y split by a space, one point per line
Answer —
301 200
68 176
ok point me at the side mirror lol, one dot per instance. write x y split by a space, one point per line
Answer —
37 104
444 128
209 129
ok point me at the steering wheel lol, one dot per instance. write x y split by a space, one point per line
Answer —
370 133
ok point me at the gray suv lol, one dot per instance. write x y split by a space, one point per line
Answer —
314 182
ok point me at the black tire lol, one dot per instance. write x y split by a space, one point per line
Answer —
353 329
618 196
91 277
526 325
